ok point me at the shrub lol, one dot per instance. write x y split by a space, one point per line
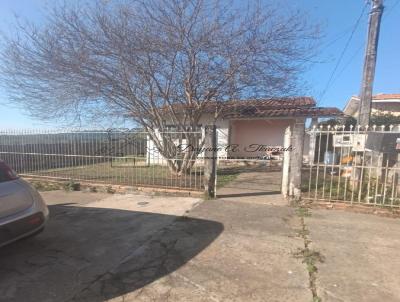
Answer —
71 185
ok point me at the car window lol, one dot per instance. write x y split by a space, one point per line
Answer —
6 173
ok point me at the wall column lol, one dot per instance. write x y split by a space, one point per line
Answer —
210 160
286 162
296 160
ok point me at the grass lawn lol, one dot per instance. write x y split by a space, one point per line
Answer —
135 172
226 175
333 187
124 174
224 179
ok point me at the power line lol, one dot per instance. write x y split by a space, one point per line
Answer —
391 9
347 64
327 86
336 38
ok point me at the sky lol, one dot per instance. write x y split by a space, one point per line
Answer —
330 80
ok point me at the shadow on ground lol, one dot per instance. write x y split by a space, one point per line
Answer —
95 254
249 194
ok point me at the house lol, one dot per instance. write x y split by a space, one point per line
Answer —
253 123
382 104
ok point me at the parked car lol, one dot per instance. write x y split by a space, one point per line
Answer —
22 210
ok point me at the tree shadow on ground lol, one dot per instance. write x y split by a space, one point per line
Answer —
95 254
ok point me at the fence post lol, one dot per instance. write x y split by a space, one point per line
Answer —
210 160
313 140
286 162
296 160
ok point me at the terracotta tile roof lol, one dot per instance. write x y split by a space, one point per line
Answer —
284 112
271 107
271 103
274 102
386 96
274 107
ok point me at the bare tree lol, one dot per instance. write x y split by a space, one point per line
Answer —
159 62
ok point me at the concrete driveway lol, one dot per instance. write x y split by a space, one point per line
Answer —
89 235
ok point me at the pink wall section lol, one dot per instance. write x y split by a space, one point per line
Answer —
265 132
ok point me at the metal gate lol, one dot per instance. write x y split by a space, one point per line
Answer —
238 177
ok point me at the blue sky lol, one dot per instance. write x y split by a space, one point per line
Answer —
337 17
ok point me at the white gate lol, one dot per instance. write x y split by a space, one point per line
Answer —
353 165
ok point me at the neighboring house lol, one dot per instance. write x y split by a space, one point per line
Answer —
381 104
256 121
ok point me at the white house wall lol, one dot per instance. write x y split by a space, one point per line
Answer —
222 133
155 158
269 132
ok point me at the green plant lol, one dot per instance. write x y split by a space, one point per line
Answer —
309 256
227 175
372 189
303 212
38 186
384 120
71 185
110 190
45 186
346 121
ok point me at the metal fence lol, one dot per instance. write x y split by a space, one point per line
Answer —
353 165
115 157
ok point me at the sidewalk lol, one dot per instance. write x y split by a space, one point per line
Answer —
251 260
362 256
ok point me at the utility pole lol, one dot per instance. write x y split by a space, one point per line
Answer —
370 62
